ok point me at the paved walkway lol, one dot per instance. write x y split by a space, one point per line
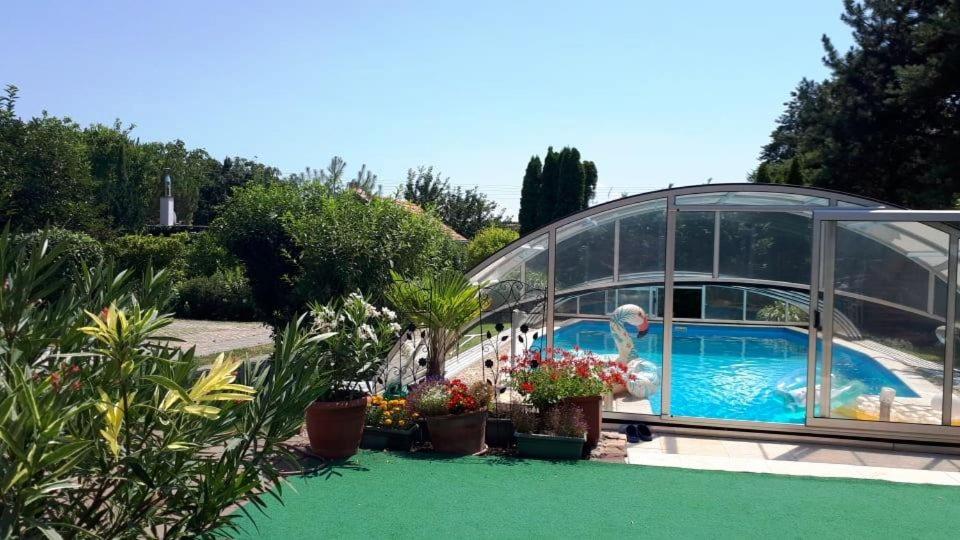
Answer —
218 336
744 455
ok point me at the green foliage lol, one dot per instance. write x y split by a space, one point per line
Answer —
332 178
563 186
883 124
529 215
782 312
104 432
223 295
487 242
358 338
138 252
75 250
232 173
205 255
45 174
301 243
441 303
466 211
100 180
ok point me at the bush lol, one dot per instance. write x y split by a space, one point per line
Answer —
487 242
301 243
137 252
223 296
110 435
77 249
205 256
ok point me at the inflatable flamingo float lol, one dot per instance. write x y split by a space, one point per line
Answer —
645 379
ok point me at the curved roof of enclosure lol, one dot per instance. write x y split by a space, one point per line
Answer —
745 234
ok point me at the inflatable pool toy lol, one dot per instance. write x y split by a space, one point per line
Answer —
793 390
643 375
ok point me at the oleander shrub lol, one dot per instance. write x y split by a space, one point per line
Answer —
107 432
222 296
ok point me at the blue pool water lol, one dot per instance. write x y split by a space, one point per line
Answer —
729 372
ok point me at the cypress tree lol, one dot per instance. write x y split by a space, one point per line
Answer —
570 185
549 187
762 175
589 183
794 175
530 197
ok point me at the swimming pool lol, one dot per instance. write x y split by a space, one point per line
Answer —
729 372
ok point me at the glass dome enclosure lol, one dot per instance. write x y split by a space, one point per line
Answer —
759 296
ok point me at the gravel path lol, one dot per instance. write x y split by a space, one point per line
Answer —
218 336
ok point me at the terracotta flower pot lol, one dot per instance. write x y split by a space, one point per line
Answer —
592 415
459 433
335 427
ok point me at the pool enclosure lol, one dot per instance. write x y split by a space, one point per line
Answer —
759 297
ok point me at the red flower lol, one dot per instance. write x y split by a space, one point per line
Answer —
527 388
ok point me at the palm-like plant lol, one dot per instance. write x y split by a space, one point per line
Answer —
442 304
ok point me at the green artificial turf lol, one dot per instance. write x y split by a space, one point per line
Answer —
385 495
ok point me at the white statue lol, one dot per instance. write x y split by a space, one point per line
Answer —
643 375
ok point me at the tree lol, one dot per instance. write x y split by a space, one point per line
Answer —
884 124
589 183
424 187
464 210
366 181
570 187
562 186
762 174
233 173
45 179
794 175
529 216
549 187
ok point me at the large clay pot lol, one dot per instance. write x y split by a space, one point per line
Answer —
459 433
592 415
335 427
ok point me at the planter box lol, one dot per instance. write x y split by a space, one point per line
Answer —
499 432
549 447
375 438
458 433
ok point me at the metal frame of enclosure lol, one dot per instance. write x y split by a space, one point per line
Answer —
870 267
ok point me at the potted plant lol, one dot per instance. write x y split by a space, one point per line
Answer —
572 377
456 414
559 434
440 304
355 337
390 424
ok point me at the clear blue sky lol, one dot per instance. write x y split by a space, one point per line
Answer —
653 92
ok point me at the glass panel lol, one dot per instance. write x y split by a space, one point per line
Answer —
770 246
751 198
695 242
585 253
887 359
642 245
889 261
725 303
510 265
583 321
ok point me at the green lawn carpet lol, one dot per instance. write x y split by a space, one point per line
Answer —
384 495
